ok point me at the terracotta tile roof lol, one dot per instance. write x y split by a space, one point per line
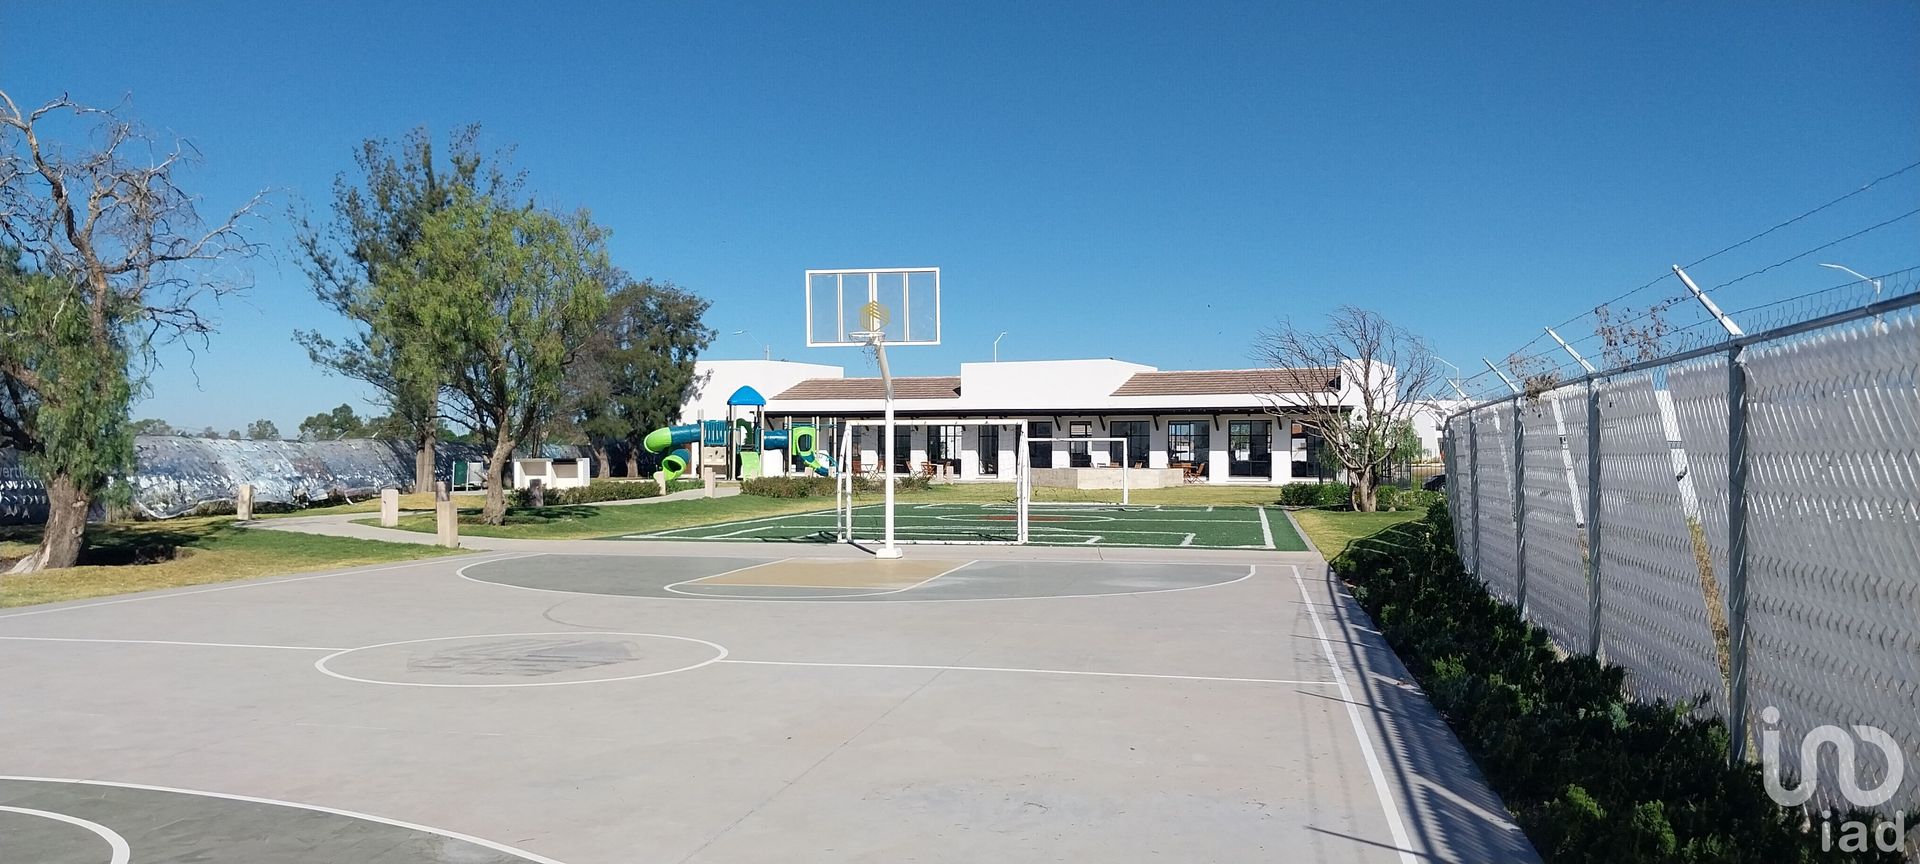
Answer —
1225 381
916 387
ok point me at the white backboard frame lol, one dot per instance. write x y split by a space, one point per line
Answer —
849 296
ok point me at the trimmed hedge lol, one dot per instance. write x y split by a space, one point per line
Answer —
1589 774
815 486
1316 495
604 490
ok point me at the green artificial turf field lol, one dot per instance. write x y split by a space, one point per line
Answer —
1051 524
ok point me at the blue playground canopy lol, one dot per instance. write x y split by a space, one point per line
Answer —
747 396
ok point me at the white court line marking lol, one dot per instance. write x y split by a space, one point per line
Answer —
1187 541
248 799
247 584
681 595
724 573
166 642
857 592
321 664
1014 669
1266 530
121 851
1402 845
671 532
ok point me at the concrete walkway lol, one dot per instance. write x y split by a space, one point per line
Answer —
343 525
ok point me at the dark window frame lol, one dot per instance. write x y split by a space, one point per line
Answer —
1039 454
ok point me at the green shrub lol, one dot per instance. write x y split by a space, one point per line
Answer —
1391 498
1316 495
1589 774
604 490
813 486
864 484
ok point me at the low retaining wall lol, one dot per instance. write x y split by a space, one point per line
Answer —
1107 478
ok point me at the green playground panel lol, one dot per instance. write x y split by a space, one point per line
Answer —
1197 526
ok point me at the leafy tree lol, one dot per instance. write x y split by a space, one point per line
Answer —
509 294
635 371
233 434
1358 383
358 261
151 426
101 261
211 432
333 425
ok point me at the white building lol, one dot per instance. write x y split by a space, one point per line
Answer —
1209 426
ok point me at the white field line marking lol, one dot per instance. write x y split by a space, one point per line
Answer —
858 592
1188 541
674 532
452 835
720 654
1266 530
686 596
122 853
166 642
247 584
1402 845
1013 669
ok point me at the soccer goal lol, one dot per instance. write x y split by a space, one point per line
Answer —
1097 459
977 520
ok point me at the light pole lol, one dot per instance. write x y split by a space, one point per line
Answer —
768 346
1878 324
996 345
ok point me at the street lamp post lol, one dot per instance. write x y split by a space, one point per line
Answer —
996 345
768 346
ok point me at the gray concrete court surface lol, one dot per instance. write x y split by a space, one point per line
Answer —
593 703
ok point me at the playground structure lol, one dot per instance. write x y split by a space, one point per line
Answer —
738 449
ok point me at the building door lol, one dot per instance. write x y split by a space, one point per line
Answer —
989 446
903 450
1078 456
1040 454
1249 448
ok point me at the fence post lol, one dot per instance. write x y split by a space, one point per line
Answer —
1519 507
1594 604
1473 481
1737 553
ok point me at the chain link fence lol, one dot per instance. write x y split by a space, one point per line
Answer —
1737 525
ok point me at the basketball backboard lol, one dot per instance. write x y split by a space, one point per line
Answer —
901 304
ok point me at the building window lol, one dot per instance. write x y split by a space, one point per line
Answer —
1040 453
1078 456
989 447
943 448
902 450
1249 448
1139 442
1188 443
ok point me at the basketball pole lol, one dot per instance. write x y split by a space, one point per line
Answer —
888 550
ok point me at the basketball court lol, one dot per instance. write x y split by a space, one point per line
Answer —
623 702
1198 527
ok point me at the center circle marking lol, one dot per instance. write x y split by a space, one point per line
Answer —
719 653
121 852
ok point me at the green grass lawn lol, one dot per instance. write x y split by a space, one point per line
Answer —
190 551
1332 530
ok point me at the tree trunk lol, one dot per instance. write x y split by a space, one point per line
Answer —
500 467
600 467
633 458
1363 490
66 528
423 466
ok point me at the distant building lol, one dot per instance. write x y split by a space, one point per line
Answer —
1212 425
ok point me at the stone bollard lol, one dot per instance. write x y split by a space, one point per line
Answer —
660 477
712 480
448 519
536 493
389 508
243 503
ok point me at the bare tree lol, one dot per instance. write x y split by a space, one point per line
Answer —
109 259
1357 384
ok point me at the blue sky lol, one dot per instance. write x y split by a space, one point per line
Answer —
1150 182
